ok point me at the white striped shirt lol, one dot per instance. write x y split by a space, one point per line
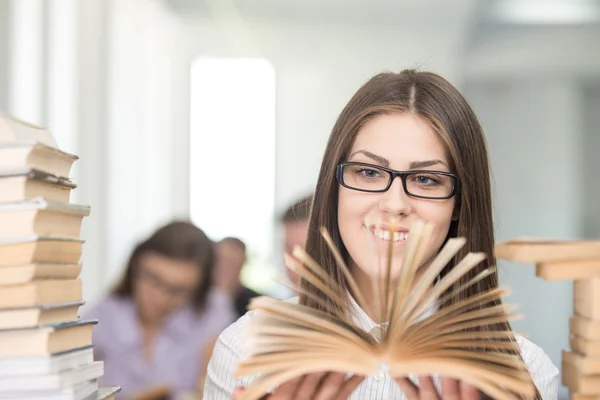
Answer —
220 380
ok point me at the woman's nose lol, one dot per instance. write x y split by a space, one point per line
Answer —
395 200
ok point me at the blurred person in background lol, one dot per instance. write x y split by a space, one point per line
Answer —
155 325
295 229
231 258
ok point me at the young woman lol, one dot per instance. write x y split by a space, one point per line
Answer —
406 146
154 327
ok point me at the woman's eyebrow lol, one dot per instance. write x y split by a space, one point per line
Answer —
426 163
386 163
382 160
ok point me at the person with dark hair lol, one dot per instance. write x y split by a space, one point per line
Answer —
155 325
294 221
407 147
231 258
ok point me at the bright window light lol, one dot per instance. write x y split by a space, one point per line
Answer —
232 157
548 12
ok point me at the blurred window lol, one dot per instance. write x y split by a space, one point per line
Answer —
232 156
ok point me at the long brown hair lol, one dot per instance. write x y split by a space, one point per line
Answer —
180 240
434 99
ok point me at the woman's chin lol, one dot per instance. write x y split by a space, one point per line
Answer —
384 270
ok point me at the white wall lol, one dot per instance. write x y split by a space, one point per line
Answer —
4 42
566 51
90 137
147 65
591 161
25 59
535 137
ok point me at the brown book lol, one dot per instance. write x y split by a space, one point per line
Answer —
40 250
40 217
32 184
584 327
20 274
579 396
539 250
586 365
46 340
44 314
590 348
40 292
586 298
15 157
577 381
568 270
286 340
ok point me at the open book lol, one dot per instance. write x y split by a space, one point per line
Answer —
286 340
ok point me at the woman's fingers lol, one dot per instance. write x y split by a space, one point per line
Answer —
306 390
450 389
469 392
349 387
318 386
408 388
330 386
335 386
427 389
287 391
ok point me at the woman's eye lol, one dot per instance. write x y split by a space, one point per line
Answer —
426 180
368 173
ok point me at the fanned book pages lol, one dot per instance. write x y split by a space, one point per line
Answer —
286 340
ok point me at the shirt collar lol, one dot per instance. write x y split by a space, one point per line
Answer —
362 320
360 317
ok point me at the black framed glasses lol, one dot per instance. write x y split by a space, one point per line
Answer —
423 184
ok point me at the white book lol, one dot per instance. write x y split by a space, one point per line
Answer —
56 381
105 392
49 365
82 391
14 130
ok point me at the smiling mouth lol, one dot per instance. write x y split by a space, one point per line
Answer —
384 234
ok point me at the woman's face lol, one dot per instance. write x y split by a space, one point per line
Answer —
163 284
403 142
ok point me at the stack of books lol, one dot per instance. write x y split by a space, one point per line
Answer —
578 261
46 350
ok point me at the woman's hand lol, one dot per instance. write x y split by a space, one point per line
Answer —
318 386
452 389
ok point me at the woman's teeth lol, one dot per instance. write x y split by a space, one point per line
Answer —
387 235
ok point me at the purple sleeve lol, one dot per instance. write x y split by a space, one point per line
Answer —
220 311
105 311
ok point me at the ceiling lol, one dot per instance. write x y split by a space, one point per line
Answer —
478 27
348 12
401 12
